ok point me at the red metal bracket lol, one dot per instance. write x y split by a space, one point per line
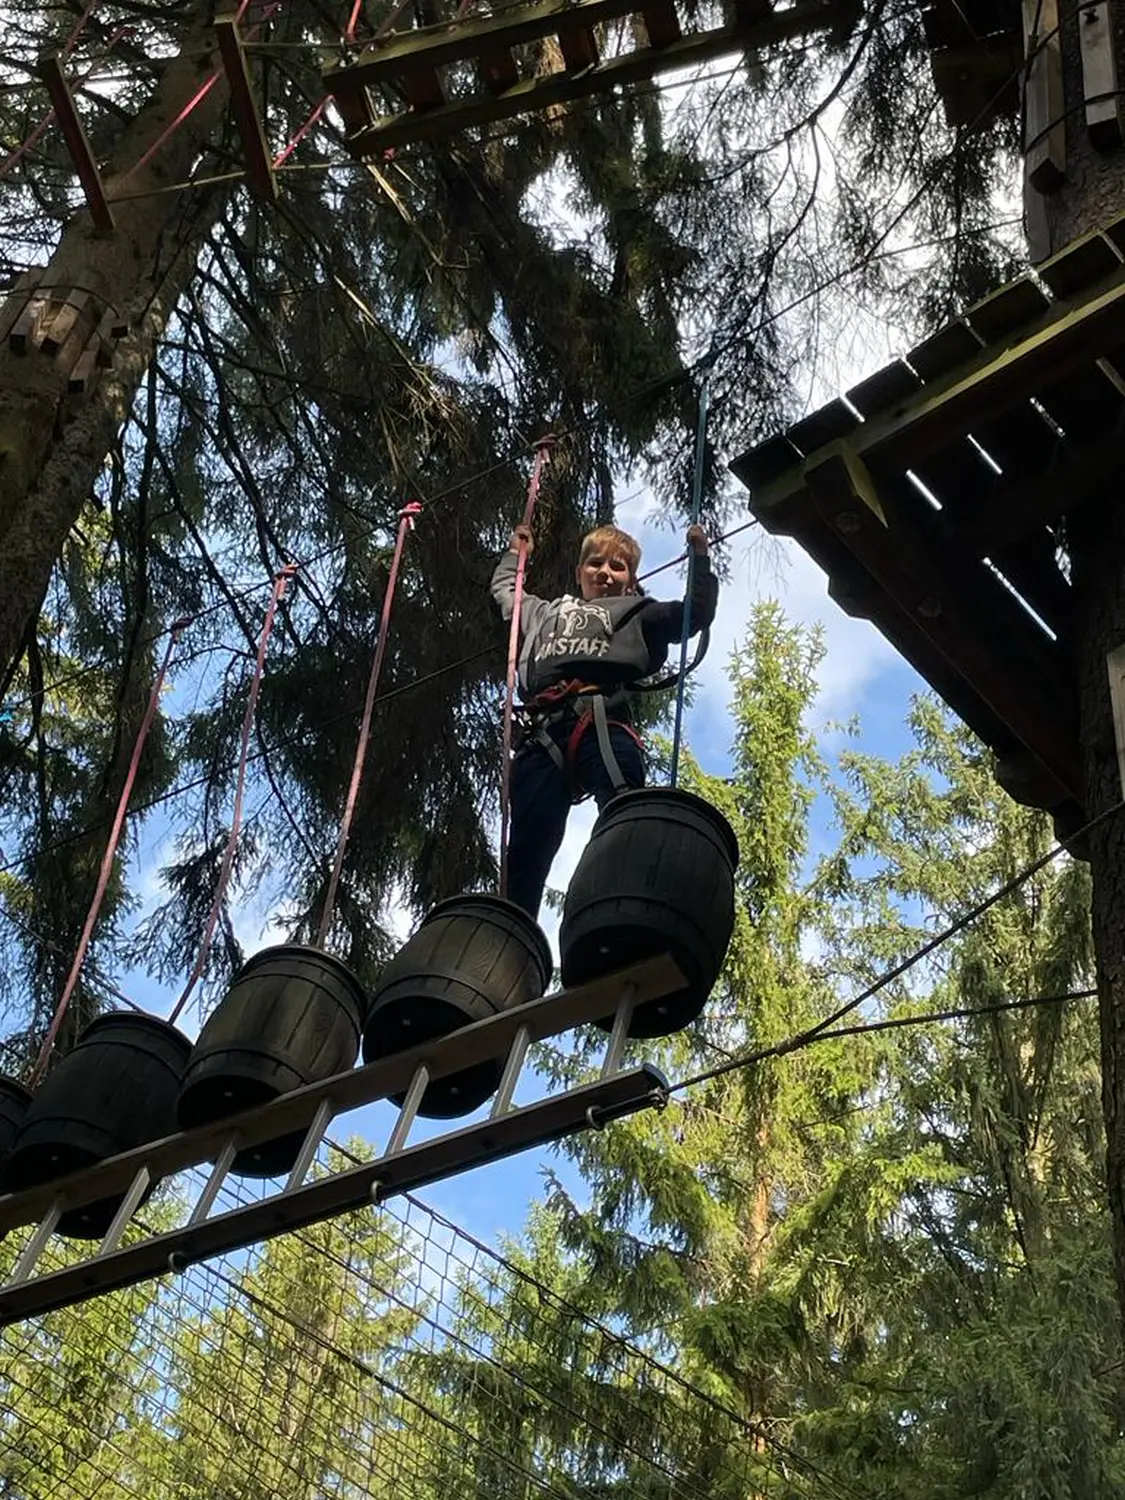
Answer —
259 170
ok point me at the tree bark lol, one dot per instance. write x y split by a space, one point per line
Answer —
48 464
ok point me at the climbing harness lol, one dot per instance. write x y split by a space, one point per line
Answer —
696 508
542 456
280 584
108 857
590 706
406 519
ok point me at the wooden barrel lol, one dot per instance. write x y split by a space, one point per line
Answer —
656 877
114 1091
14 1099
291 1017
472 957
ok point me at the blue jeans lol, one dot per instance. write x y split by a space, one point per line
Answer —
541 801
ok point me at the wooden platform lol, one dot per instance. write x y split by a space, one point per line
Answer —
976 52
488 68
932 495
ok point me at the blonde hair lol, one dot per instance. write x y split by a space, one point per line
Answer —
614 541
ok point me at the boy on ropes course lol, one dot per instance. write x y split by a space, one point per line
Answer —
579 657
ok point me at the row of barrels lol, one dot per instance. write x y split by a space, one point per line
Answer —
656 877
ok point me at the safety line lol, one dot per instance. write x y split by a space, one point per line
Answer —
685 633
542 456
406 521
280 584
108 856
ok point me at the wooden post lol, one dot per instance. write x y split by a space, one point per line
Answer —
77 144
1099 75
1045 125
259 169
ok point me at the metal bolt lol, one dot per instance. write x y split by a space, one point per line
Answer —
929 608
847 521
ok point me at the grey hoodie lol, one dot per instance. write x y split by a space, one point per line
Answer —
612 641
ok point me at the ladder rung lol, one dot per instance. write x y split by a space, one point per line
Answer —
751 12
498 70
579 49
422 87
355 109
661 22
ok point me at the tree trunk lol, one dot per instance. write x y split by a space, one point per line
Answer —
53 444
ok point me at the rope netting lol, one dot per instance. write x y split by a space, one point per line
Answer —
387 1352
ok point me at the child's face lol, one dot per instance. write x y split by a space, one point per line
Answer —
603 575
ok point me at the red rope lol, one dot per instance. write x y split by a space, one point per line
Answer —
37 133
305 128
542 455
280 584
385 25
108 857
205 88
405 523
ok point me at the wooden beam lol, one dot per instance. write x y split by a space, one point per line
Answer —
1068 339
259 168
661 22
1099 75
435 46
50 68
1044 109
534 94
956 615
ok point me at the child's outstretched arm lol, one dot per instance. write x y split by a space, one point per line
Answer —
663 624
504 581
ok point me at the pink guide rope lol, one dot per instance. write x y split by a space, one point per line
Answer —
384 26
108 857
204 88
284 154
36 134
406 518
280 584
542 455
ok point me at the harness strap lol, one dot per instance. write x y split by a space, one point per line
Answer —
590 707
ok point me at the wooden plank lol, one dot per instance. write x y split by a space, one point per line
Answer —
661 22
977 80
62 319
1058 346
767 462
750 12
534 94
1086 405
498 70
1020 440
259 168
23 331
1099 75
1080 265
959 477
435 46
70 124
422 87
888 387
1002 312
943 351
968 618
1031 569
578 47
822 426
354 106
1021 505
1044 106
